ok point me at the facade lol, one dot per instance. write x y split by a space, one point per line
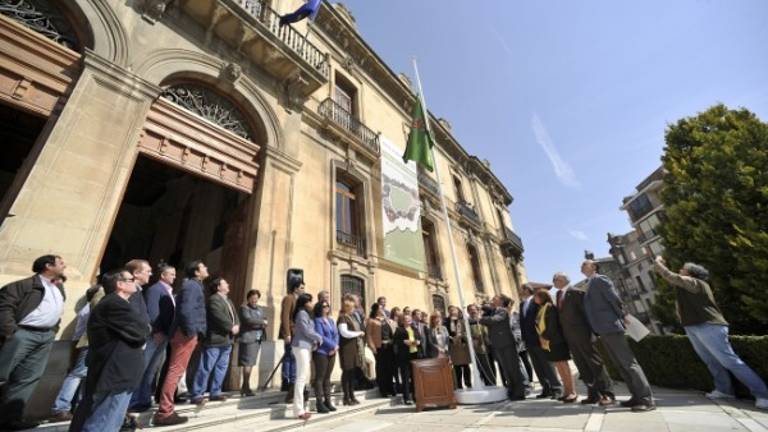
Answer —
636 250
179 130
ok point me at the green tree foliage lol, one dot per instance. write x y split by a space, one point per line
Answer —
716 205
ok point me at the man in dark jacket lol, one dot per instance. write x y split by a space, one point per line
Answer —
606 315
189 326
30 312
545 371
160 309
504 346
582 342
116 335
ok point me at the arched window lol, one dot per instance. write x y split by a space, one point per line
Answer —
44 17
353 285
438 304
474 262
211 106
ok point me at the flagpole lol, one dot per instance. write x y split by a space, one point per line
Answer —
477 383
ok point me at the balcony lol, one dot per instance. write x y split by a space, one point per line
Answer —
351 242
343 124
467 211
428 184
511 243
252 28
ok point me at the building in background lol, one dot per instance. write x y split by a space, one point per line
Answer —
636 250
181 130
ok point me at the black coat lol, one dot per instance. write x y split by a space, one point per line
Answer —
573 317
528 324
402 351
499 330
17 300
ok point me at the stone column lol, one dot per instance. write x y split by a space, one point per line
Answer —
70 199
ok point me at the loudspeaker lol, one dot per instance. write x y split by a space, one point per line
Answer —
294 277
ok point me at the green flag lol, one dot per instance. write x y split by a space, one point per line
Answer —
419 146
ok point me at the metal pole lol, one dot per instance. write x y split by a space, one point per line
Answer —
477 382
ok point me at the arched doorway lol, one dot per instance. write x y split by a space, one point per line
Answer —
355 286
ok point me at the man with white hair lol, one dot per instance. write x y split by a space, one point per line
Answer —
707 330
582 342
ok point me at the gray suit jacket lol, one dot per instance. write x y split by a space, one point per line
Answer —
499 330
604 308
304 334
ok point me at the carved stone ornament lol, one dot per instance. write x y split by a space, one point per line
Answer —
154 9
209 105
231 72
294 86
42 17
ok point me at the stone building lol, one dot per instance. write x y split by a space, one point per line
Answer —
184 129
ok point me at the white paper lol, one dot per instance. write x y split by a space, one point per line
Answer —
636 329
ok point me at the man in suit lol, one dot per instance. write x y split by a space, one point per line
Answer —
116 335
188 327
504 346
545 371
30 313
287 307
582 342
422 329
160 309
606 316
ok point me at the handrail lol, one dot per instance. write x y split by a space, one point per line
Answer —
331 110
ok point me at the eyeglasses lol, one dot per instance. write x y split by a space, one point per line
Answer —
129 280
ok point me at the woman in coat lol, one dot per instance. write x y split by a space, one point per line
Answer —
553 342
459 347
406 342
350 349
379 330
438 336
253 322
304 340
223 326
325 356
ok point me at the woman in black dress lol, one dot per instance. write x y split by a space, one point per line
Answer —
553 342
253 321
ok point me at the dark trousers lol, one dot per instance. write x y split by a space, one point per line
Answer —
510 364
591 368
348 383
545 371
323 369
23 357
460 371
289 365
385 370
624 359
526 364
487 371
404 370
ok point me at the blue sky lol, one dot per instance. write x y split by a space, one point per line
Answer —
569 99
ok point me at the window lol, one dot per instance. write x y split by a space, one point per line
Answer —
639 207
344 94
459 189
474 262
640 284
353 285
348 211
430 249
438 304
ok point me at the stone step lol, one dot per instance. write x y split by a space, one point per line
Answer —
265 409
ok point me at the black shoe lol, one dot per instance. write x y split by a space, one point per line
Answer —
629 403
329 405
543 395
590 400
354 401
407 402
321 408
246 393
557 396
644 407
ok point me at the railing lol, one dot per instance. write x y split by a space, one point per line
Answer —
287 34
468 212
513 238
429 184
351 241
344 119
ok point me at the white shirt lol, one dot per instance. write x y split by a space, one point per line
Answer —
526 305
344 331
48 312
553 294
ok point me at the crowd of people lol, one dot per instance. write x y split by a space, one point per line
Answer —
134 340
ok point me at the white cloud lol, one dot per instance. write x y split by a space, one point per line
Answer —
562 169
578 235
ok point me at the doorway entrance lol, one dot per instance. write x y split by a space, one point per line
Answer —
175 216
18 133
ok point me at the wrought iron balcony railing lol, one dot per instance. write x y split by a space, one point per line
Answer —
351 241
287 34
345 120
467 211
511 242
429 184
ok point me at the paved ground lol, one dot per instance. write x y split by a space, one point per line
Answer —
679 411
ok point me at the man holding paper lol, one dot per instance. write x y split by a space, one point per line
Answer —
707 330
607 317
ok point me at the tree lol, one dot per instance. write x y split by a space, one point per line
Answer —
716 207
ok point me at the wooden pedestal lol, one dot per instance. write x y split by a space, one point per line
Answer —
433 383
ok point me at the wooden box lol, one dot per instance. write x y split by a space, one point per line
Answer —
433 383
